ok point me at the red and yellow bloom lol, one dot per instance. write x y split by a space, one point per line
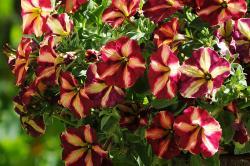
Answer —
168 34
102 94
60 24
158 10
73 96
119 11
22 60
164 73
71 6
80 147
35 14
219 11
160 136
198 132
122 63
204 72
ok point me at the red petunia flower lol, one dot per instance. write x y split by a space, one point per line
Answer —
80 147
35 14
22 60
102 94
71 6
241 134
60 24
198 132
219 11
204 72
27 109
119 11
168 34
73 96
133 115
160 136
158 10
241 36
122 63
92 55
48 62
164 73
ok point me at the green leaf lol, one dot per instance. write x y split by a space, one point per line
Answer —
163 103
195 160
213 161
241 148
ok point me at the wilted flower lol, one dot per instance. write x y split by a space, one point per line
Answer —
164 73
35 14
22 60
198 132
122 63
80 147
71 6
119 11
60 24
241 134
158 10
73 96
102 94
168 34
219 11
204 72
160 136
242 39
92 55
133 115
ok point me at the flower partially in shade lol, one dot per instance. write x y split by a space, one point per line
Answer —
48 61
71 6
27 107
160 136
102 94
60 24
80 147
133 115
92 55
241 36
158 10
119 11
219 11
122 63
164 73
198 132
241 134
22 60
203 73
35 14
168 34
73 96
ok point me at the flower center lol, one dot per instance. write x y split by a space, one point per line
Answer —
208 76
170 2
224 4
124 59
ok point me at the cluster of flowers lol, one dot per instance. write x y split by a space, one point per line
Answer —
119 64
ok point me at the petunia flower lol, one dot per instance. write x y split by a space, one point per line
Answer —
198 132
122 63
119 11
241 36
133 115
168 34
160 136
203 73
60 24
164 73
219 11
71 6
158 10
92 55
27 108
80 147
22 60
73 96
48 61
102 94
35 14
241 134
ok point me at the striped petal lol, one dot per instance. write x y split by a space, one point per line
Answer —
198 132
113 16
33 126
71 6
164 73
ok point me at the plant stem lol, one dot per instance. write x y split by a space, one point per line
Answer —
63 120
